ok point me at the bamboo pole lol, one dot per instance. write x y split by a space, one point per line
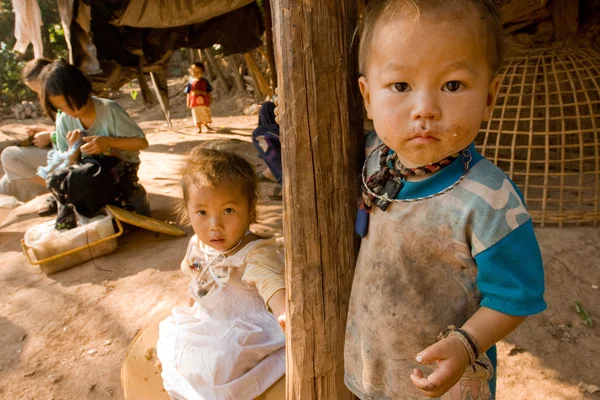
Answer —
321 125
258 77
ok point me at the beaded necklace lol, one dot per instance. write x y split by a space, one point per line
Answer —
382 187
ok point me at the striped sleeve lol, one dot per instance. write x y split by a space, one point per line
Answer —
265 270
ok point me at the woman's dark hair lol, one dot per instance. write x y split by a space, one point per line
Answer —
63 79
32 70
199 65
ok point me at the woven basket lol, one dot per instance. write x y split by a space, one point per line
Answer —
545 133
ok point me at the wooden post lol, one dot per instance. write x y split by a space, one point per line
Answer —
258 77
159 81
235 72
147 95
322 142
215 68
269 42
565 16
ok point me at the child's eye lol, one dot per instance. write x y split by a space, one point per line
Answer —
400 87
228 211
201 213
452 86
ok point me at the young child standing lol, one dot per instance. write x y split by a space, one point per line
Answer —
448 246
199 97
227 345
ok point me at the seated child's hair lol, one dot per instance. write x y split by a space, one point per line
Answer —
199 65
208 167
64 79
33 69
461 12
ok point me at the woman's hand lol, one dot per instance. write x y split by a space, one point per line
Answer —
42 139
74 136
96 144
276 111
452 359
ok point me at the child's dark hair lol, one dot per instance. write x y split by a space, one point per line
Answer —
33 69
211 167
465 12
63 79
199 65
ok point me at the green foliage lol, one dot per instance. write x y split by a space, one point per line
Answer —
12 89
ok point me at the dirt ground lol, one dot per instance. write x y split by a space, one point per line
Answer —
65 336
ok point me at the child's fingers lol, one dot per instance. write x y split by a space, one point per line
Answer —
89 138
435 352
421 381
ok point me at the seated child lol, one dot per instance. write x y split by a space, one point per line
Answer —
227 345
18 164
448 245
100 144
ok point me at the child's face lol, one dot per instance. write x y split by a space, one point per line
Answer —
196 72
428 87
220 215
60 103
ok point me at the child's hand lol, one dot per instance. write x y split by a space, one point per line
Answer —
42 139
452 359
95 144
282 319
73 137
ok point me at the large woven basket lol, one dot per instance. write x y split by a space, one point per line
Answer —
545 133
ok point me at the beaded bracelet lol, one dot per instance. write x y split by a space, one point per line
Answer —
470 343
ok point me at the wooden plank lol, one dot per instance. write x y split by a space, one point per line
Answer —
259 79
515 10
321 125
269 42
565 18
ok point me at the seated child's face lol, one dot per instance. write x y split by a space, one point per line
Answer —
196 72
427 86
219 214
60 103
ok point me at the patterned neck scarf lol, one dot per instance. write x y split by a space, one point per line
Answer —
390 177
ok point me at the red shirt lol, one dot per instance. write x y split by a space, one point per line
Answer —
199 100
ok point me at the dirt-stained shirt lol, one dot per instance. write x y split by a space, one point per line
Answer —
432 263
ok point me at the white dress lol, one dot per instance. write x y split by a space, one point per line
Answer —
228 346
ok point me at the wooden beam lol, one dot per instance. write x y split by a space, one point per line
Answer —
159 82
234 69
215 68
565 18
147 95
322 143
258 77
269 42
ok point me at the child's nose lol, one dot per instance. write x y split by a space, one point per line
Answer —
425 107
215 223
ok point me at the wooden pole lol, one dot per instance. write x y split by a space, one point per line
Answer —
269 42
258 77
235 72
322 142
215 68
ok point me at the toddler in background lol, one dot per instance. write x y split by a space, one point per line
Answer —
199 97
